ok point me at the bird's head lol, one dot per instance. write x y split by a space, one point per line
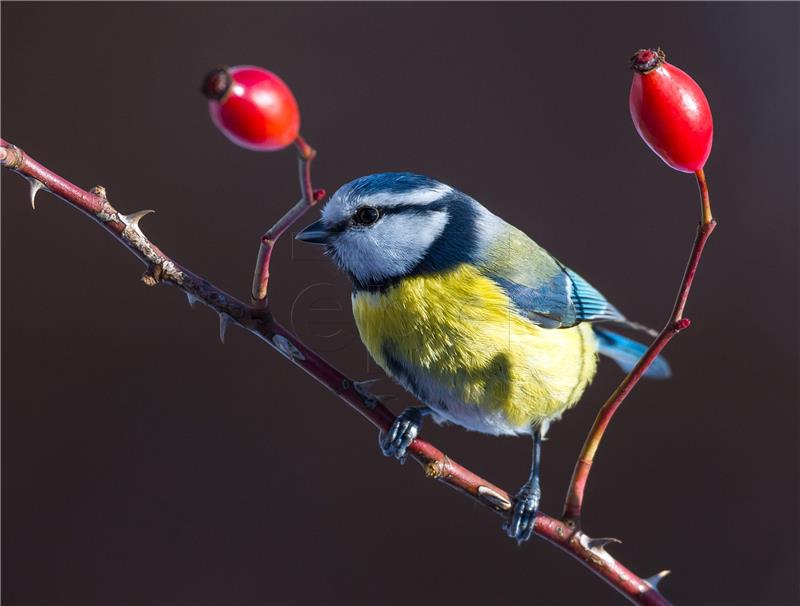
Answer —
386 226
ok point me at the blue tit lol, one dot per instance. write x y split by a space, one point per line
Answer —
469 314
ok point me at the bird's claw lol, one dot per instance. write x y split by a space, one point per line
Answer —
403 431
526 505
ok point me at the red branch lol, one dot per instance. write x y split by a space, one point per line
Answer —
305 154
259 321
676 323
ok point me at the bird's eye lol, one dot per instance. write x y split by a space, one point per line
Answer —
367 215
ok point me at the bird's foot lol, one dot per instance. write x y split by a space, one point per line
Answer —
405 428
526 504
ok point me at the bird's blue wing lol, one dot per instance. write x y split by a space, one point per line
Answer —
589 303
549 293
546 306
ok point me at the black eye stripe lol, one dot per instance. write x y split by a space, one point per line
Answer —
398 209
413 208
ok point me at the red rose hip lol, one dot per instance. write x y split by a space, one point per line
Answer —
252 106
670 111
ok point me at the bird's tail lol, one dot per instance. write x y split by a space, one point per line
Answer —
627 352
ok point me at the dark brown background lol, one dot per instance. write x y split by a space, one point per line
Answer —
145 463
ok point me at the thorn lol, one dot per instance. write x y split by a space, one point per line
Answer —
287 348
224 321
35 186
362 387
487 493
191 299
601 542
318 194
654 580
132 220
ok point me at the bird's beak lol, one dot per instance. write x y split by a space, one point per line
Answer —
314 234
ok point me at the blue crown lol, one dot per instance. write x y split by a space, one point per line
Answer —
391 183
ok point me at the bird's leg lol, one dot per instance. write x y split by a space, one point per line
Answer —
520 527
405 428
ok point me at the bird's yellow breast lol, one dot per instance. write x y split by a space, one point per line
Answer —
456 337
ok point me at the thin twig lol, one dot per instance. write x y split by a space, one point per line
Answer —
260 322
574 500
705 201
309 197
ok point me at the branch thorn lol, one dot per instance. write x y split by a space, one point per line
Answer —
654 580
490 495
35 186
600 543
371 399
362 387
132 220
319 194
224 321
287 348
191 299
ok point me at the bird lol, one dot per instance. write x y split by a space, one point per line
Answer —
466 312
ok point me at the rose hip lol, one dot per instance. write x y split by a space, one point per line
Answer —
252 106
670 111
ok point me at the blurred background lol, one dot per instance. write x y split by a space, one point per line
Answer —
144 463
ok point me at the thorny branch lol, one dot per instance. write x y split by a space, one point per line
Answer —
258 320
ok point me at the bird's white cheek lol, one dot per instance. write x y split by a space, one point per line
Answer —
405 238
358 254
391 248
